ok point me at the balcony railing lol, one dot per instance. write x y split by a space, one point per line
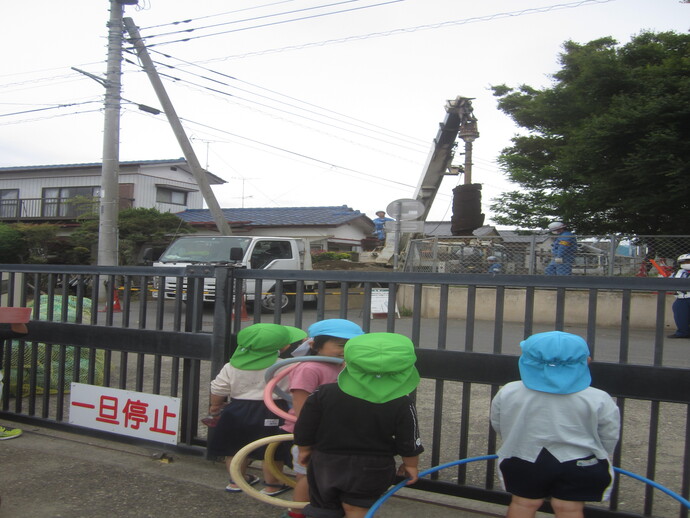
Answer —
51 209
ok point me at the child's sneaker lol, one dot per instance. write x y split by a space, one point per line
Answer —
6 433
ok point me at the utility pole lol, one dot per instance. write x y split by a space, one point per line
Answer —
107 225
187 150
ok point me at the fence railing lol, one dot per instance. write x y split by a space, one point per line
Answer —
614 255
467 349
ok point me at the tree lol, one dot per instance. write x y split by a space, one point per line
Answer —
137 227
11 244
608 143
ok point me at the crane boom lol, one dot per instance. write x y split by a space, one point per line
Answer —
438 163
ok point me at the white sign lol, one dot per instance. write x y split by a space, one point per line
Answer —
379 303
405 209
404 226
125 412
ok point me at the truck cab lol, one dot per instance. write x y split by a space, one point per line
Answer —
252 252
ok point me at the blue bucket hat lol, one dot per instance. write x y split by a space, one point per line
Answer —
555 362
337 327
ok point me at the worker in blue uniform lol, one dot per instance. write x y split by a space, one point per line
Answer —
563 250
494 265
380 226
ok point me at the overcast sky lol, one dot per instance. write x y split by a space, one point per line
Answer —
296 102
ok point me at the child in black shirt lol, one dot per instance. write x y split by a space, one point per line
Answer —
349 433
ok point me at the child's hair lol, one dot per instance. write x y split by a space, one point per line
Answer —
319 341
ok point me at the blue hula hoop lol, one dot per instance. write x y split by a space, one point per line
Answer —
426 472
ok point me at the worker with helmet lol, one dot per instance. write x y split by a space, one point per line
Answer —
563 250
681 306
494 265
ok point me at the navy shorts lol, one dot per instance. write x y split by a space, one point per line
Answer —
353 479
581 480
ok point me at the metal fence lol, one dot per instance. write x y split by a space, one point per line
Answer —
628 256
467 329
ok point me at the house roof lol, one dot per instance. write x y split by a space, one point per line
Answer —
279 216
58 167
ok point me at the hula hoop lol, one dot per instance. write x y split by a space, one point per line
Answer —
268 395
239 480
656 485
270 462
279 365
400 485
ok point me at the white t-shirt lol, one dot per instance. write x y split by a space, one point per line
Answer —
569 426
242 384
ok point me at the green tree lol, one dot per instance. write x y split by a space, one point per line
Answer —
607 147
137 228
12 244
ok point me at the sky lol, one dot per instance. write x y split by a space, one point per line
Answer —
296 103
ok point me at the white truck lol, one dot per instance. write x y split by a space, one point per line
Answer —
255 252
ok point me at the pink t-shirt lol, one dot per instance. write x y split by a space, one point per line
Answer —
308 376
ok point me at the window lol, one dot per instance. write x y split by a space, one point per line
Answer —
266 252
69 202
164 195
9 203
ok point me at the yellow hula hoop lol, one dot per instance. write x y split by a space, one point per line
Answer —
237 477
270 461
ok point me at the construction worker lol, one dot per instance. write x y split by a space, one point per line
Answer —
563 250
494 265
681 306
379 225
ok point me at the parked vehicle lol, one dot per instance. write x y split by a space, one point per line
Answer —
254 252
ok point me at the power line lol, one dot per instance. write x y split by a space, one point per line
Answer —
214 15
57 106
281 22
359 123
232 22
464 21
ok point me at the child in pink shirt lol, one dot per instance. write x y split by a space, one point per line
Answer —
328 338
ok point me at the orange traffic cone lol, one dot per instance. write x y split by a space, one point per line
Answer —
244 317
116 304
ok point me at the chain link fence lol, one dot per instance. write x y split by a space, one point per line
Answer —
512 253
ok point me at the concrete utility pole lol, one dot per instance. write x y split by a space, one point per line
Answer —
107 226
187 150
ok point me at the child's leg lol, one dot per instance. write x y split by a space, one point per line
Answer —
567 508
352 511
524 507
243 468
269 478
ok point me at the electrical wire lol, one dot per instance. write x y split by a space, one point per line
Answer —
264 25
214 15
232 22
405 30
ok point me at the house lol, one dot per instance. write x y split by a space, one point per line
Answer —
337 228
61 193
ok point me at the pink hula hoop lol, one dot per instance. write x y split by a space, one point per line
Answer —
268 394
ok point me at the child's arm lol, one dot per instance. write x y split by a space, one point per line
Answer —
304 455
298 399
409 468
216 404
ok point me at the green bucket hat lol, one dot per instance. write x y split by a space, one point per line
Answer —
258 345
379 367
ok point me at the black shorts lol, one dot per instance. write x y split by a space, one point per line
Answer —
581 480
352 479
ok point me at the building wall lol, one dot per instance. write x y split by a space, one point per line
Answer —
31 183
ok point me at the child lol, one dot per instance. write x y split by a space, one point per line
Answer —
350 431
558 432
245 418
327 338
